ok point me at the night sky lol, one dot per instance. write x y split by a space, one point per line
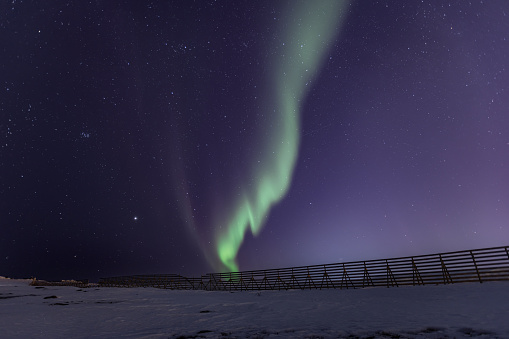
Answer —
192 137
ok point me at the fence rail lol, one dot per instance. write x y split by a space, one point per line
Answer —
479 265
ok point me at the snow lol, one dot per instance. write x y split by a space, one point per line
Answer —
444 311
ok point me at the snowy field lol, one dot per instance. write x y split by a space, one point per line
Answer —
448 311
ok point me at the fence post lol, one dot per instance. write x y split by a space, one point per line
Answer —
416 274
366 277
253 282
445 272
475 264
326 278
310 279
346 278
265 279
390 275
278 281
293 279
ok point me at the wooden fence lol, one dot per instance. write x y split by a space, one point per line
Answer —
74 283
480 265
167 281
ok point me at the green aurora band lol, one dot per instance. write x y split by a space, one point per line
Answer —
310 27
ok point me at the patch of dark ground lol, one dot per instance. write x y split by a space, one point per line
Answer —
10 296
428 332
67 303
108 301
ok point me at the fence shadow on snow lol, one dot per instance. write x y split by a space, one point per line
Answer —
479 265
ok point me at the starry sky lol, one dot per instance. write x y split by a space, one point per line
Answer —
192 137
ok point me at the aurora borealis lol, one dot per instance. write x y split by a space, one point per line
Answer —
189 137
309 31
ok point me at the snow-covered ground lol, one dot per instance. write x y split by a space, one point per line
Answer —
447 311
